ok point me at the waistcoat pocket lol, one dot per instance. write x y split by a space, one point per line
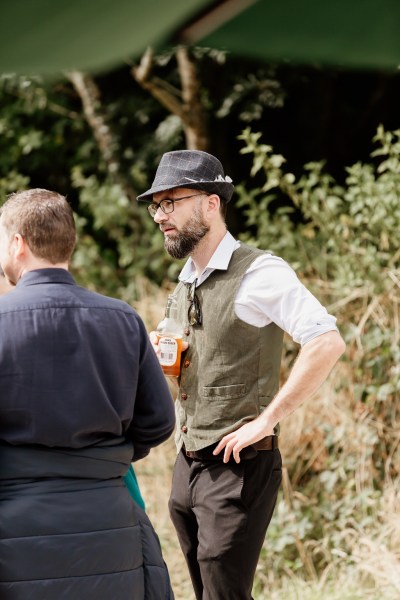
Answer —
225 391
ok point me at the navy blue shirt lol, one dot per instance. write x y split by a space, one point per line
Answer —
77 369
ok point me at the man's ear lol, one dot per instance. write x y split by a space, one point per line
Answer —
19 245
214 203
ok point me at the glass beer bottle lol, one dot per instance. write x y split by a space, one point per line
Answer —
169 333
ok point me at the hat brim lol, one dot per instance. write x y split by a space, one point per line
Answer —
223 189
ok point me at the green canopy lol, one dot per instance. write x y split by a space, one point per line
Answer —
52 36
349 33
48 37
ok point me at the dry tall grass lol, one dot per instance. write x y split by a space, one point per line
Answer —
362 551
371 571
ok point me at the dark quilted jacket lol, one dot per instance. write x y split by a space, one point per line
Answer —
73 532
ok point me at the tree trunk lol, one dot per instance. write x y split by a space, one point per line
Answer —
185 103
196 129
96 117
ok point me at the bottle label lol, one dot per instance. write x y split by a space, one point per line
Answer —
168 351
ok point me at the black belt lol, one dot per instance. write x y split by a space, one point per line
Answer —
270 442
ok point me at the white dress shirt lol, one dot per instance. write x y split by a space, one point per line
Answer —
270 291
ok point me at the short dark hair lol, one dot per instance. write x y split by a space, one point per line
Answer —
45 220
223 208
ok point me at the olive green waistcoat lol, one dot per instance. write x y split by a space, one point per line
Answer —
230 371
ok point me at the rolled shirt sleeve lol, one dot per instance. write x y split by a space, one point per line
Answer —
271 292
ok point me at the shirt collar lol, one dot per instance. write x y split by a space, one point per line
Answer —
51 275
220 260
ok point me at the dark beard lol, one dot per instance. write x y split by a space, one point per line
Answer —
185 241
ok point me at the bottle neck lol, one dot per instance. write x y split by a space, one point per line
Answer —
171 310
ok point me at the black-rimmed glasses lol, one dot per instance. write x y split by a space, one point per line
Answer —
167 205
194 310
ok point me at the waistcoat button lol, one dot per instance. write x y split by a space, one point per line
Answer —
186 331
186 363
184 429
183 396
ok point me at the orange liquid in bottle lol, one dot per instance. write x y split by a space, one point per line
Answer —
170 354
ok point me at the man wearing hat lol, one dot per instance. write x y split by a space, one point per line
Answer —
234 303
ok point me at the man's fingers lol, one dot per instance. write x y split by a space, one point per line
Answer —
236 454
153 337
232 447
221 445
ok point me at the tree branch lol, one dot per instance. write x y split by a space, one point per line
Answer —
190 110
164 93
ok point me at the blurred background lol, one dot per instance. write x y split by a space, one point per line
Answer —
300 101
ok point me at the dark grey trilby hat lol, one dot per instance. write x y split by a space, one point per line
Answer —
190 169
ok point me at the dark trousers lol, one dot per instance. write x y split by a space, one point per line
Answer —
221 513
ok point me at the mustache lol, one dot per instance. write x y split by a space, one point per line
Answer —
165 226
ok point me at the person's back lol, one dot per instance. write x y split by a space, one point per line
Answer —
80 356
81 395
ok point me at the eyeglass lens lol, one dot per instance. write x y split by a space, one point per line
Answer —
168 204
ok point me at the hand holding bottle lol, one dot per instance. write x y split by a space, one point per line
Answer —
167 340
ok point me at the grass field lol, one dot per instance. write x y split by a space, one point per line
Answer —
335 534
372 572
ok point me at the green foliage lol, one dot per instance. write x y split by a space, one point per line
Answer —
45 142
130 252
251 95
344 240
